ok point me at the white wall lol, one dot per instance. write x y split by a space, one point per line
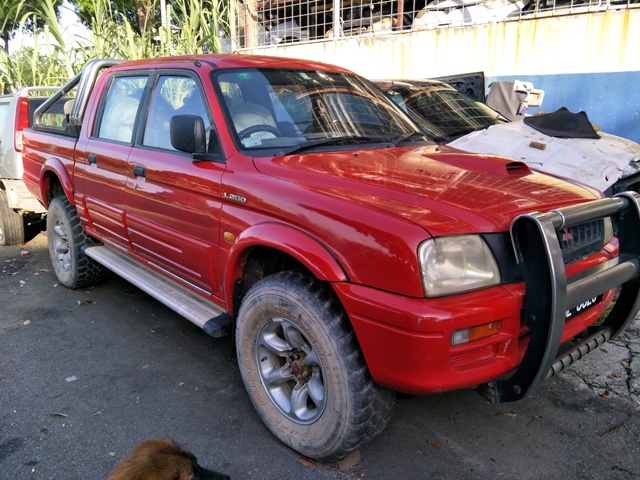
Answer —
606 41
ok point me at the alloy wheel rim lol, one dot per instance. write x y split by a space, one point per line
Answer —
61 245
291 371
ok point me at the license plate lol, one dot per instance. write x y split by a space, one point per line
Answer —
583 307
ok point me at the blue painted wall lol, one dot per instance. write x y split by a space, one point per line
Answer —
611 100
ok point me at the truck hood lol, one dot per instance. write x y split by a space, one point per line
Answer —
442 189
596 162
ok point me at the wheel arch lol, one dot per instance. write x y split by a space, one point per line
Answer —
55 180
269 248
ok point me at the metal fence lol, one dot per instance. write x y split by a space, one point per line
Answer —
278 22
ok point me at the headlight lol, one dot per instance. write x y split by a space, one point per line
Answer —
456 264
608 230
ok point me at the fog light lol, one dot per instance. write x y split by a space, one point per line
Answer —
467 335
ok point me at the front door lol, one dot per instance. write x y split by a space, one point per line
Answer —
173 201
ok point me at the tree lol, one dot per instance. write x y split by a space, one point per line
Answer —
140 14
9 12
17 14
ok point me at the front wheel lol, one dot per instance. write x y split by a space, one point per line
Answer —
66 238
303 369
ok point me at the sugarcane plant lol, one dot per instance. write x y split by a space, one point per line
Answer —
50 55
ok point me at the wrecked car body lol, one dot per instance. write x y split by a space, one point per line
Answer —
604 161
456 13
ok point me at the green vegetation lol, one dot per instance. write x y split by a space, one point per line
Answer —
127 29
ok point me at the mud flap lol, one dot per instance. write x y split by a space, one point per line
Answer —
548 292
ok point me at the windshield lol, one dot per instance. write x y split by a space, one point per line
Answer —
443 113
289 110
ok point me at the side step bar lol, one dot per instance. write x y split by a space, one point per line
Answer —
208 316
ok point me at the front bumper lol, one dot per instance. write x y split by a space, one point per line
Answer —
407 342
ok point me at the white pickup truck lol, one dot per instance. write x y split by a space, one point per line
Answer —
21 214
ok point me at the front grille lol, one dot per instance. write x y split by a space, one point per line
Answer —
581 240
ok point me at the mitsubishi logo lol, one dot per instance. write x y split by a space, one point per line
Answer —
566 235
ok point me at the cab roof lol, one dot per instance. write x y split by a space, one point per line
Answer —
224 61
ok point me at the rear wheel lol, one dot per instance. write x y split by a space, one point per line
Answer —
303 369
11 223
66 237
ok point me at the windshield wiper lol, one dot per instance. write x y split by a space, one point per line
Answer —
346 140
406 136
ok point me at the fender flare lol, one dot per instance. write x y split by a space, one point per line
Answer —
308 250
55 167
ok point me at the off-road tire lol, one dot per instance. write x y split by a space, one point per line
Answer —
66 239
348 406
11 223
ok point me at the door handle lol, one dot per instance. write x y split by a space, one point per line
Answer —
139 171
92 159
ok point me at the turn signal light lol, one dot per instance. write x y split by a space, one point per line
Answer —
466 335
22 122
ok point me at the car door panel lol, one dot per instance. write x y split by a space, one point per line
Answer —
174 201
104 187
172 215
102 160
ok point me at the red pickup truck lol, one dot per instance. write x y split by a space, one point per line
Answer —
292 203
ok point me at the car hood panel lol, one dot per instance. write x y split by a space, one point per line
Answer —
439 188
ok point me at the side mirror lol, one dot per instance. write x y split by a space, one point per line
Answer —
187 133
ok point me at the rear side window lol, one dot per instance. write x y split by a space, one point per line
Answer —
121 108
55 115
54 118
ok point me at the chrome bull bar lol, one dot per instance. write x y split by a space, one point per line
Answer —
548 291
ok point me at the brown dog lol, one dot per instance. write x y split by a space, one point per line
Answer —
162 460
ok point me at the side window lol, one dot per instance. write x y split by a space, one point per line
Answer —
121 107
397 97
172 96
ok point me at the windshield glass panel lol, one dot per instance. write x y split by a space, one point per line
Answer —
291 109
444 114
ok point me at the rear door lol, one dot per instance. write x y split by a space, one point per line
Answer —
174 201
103 159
